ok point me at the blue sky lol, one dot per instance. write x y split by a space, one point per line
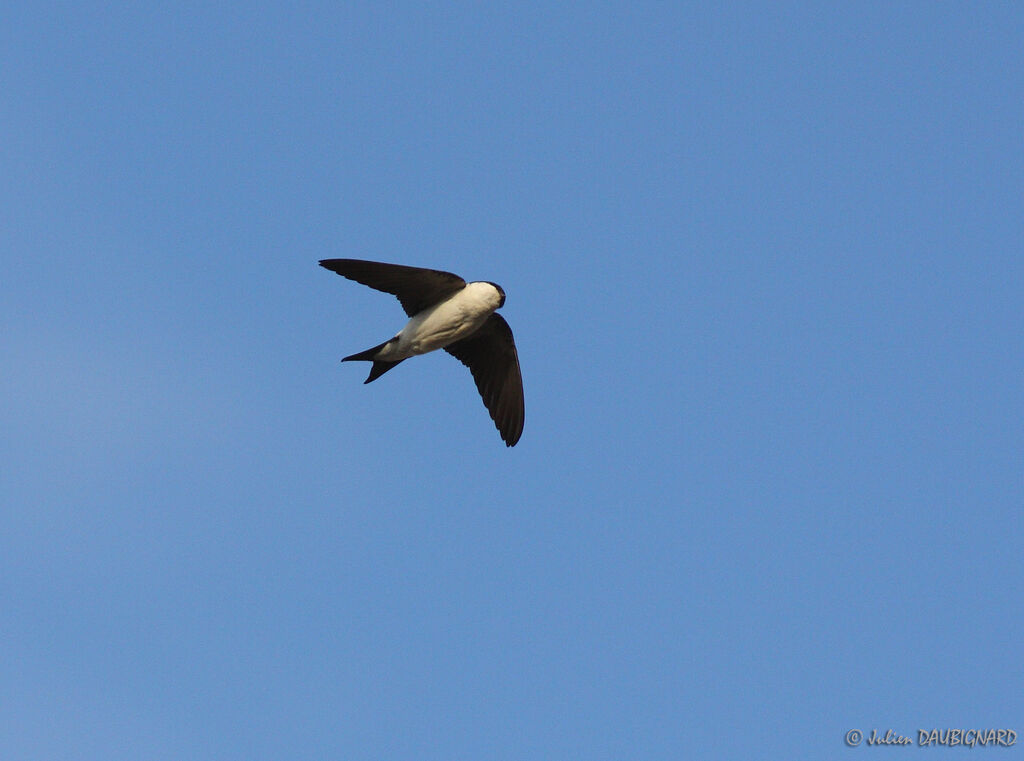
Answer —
764 269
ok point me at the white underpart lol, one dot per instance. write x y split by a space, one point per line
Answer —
444 323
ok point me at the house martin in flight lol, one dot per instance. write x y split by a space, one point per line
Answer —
446 312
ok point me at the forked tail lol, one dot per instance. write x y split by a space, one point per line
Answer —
379 366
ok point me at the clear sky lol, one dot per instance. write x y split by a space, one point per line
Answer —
764 268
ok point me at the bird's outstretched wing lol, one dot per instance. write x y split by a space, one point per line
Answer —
490 354
415 287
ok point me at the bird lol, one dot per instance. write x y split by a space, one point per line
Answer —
446 312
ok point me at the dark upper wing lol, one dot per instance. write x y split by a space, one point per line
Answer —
415 287
490 354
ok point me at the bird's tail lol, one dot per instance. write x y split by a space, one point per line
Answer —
379 366
369 354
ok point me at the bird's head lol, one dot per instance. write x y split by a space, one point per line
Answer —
501 293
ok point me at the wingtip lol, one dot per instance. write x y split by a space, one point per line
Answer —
511 438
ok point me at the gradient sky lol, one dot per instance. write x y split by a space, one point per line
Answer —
764 268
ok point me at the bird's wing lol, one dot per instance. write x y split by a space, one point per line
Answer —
415 287
490 354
